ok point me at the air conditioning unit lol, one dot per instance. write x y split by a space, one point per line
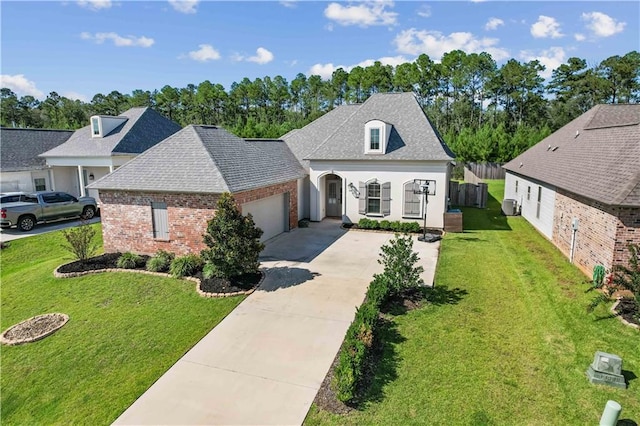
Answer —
509 207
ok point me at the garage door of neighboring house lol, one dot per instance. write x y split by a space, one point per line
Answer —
270 214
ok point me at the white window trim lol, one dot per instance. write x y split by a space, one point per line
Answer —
404 194
99 121
379 198
380 134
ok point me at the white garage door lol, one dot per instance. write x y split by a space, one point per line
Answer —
268 214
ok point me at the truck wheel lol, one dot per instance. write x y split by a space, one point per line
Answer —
26 223
88 212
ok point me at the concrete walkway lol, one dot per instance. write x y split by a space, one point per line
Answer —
264 363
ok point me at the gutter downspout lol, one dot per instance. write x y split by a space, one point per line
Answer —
574 231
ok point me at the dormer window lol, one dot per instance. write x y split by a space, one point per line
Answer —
376 135
95 126
374 139
103 125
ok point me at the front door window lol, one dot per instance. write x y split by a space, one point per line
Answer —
334 197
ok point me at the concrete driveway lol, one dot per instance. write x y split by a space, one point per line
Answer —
10 234
264 363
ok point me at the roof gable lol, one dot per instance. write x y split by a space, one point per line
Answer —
21 147
595 156
412 136
143 128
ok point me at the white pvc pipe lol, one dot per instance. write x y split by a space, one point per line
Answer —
610 414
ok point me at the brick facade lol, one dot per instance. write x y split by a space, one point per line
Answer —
603 234
127 219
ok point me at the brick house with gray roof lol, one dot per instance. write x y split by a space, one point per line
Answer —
354 162
164 198
580 186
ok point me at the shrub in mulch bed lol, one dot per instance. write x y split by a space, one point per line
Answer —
235 284
629 310
415 231
104 261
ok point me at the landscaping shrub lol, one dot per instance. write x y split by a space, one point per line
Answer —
80 241
185 266
624 278
160 262
208 271
410 227
399 260
233 241
129 261
598 275
396 226
385 224
378 290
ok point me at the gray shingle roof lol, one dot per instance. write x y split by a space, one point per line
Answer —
205 159
597 156
19 148
341 135
143 129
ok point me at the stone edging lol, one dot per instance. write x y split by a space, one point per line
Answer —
11 342
624 321
58 274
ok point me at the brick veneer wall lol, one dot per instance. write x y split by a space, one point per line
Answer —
603 231
127 223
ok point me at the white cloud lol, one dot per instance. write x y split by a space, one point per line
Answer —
493 24
424 11
20 85
75 96
363 14
435 44
185 6
546 26
602 25
205 53
579 37
262 56
95 4
326 70
118 40
551 58
289 3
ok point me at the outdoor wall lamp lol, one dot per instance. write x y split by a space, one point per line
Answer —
91 176
354 190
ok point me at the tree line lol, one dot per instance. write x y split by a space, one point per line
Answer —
485 112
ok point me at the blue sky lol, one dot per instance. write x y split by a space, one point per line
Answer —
80 48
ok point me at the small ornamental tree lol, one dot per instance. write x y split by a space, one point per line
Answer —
80 241
233 241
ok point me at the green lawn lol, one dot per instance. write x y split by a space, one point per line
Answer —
506 341
125 330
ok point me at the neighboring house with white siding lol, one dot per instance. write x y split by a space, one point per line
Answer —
580 186
20 167
356 161
104 145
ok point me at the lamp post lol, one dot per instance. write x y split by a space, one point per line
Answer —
426 188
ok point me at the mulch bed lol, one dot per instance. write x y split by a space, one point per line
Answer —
104 261
33 329
326 397
629 310
236 284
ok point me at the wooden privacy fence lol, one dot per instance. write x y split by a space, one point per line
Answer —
468 194
485 170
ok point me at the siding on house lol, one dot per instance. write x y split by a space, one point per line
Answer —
397 173
127 217
527 197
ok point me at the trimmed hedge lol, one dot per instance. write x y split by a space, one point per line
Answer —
386 225
358 341
400 272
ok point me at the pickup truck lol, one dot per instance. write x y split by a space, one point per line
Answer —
44 206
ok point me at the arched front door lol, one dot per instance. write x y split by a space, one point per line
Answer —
333 193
